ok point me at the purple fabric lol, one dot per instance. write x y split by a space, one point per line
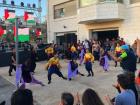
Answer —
70 73
18 75
106 65
19 79
82 56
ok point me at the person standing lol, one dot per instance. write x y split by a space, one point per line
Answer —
117 52
81 55
53 66
13 62
88 59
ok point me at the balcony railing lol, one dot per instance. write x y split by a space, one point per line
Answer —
116 1
83 3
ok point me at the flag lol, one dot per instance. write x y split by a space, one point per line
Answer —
9 15
38 32
2 31
29 17
23 34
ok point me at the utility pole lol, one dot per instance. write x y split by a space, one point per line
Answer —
39 10
16 45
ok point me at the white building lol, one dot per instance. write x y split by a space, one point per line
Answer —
86 19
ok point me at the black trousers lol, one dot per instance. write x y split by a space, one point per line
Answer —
54 70
11 68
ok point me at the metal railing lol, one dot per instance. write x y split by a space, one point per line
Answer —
110 1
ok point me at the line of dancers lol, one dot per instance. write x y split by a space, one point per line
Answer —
24 74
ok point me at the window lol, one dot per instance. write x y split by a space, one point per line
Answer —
87 2
134 1
59 13
65 9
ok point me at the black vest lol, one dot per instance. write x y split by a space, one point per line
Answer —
129 63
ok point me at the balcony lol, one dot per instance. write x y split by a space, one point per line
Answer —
102 11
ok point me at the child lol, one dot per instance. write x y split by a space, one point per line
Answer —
88 59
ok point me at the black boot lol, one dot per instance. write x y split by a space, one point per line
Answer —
64 78
89 75
10 74
49 82
69 79
92 74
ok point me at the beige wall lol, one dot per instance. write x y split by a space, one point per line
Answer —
129 27
57 25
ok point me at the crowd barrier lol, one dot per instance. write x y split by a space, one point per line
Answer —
5 57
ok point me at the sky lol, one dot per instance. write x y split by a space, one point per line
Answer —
21 12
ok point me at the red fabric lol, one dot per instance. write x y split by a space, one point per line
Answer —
137 80
1 31
6 14
14 28
38 32
26 16
122 43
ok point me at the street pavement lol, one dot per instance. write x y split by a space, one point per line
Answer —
51 94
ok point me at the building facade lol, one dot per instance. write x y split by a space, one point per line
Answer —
71 20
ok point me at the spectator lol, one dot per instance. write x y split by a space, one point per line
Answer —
127 96
137 79
122 42
22 97
127 59
67 99
90 97
138 47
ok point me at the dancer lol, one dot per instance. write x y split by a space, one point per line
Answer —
73 69
82 53
73 52
13 62
49 51
53 66
104 61
88 59
24 75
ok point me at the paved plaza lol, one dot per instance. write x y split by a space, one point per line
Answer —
51 94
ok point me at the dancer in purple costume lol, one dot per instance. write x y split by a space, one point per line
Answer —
82 55
73 69
24 75
104 61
